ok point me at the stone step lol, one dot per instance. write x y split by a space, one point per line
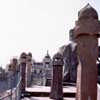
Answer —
44 94
44 91
69 89
44 98
66 90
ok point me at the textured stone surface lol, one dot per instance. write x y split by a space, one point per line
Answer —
23 71
70 62
86 34
87 11
29 69
87 22
87 70
56 89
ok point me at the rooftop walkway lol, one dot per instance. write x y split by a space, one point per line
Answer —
43 92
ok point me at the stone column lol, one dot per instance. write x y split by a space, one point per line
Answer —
56 88
86 34
29 69
14 64
23 71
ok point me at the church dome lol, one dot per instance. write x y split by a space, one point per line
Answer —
87 12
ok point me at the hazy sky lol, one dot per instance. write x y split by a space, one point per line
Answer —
36 26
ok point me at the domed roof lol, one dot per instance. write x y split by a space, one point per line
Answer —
87 12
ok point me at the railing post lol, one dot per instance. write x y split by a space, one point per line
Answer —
23 71
56 88
86 34
29 69
18 88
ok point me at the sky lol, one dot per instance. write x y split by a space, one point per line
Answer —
37 26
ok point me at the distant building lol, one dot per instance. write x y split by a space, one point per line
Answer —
47 63
38 69
3 74
38 73
43 70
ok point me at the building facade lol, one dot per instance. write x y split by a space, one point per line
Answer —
47 63
42 71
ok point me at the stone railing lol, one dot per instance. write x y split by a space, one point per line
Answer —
13 93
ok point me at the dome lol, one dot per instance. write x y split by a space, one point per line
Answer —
87 12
